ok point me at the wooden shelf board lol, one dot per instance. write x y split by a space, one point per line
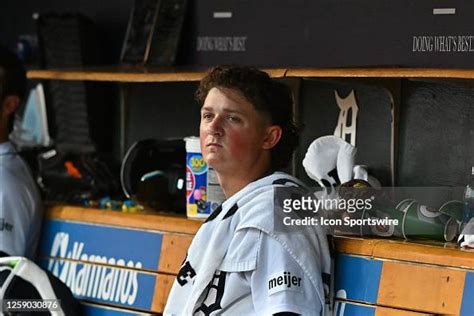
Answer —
130 74
158 222
150 74
119 74
381 73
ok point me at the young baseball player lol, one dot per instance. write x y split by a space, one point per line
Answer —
238 262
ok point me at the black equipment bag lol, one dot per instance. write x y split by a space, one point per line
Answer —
77 177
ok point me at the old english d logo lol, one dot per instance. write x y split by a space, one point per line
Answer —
347 122
214 294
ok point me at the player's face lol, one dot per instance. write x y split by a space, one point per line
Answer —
232 132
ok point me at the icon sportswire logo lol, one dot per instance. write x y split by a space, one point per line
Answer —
93 280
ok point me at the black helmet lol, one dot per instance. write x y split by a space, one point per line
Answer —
153 173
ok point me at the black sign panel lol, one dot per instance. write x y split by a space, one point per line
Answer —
328 33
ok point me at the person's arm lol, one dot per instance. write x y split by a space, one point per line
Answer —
278 284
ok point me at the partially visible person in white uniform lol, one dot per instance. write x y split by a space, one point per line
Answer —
20 202
239 262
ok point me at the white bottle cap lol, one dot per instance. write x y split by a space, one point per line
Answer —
192 144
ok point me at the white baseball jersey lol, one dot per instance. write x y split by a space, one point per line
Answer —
277 284
238 264
20 205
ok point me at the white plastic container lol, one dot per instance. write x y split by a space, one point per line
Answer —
203 192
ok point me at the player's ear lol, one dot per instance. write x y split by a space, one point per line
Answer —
272 136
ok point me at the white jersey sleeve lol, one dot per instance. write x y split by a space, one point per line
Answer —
278 284
20 206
